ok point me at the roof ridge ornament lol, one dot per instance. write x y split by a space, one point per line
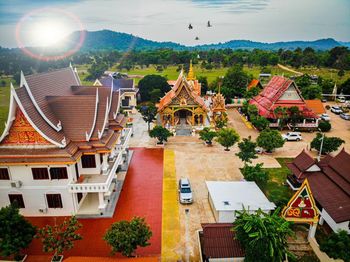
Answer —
191 76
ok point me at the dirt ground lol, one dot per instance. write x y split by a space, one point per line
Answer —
201 163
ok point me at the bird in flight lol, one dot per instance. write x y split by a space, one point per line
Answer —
208 24
190 26
197 38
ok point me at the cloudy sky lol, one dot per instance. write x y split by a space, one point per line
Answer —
167 20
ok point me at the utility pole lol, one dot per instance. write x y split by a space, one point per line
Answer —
319 154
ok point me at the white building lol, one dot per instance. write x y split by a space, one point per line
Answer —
226 198
62 146
125 87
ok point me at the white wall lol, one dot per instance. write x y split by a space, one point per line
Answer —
34 191
229 216
335 226
231 259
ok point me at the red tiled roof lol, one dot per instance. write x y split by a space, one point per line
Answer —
331 185
219 241
268 100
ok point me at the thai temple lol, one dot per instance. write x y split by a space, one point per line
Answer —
183 105
63 146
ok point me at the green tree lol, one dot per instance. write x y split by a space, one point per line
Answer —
155 95
330 144
295 115
324 126
260 123
252 111
161 133
235 82
345 87
151 82
282 115
125 236
337 245
207 135
269 140
312 92
222 121
227 137
326 85
96 70
204 84
255 173
263 236
16 233
254 91
247 150
61 237
149 113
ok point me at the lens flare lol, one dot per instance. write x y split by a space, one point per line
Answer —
44 28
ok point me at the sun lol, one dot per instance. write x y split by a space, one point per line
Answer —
48 33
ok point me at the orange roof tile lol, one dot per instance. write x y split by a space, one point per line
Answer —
316 106
253 83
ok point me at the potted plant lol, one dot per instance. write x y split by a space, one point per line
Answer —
59 238
161 133
207 136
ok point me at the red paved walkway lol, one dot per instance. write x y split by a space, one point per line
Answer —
141 196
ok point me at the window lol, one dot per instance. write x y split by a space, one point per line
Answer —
40 173
54 200
79 197
58 173
4 174
126 101
88 161
17 199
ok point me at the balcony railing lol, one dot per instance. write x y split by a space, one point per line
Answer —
96 183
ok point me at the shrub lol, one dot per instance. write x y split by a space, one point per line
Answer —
207 135
327 107
161 133
125 236
324 126
255 173
337 245
330 144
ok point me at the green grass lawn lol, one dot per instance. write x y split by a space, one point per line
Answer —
275 189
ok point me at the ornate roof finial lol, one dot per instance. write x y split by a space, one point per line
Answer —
191 75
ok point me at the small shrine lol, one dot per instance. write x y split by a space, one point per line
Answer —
301 208
218 108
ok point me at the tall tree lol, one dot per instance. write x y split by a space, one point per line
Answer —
125 236
264 236
270 140
204 84
149 113
16 233
151 82
247 150
227 137
329 145
235 82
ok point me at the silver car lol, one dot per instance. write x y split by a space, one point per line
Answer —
185 191
345 116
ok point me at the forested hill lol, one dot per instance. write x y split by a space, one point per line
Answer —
108 40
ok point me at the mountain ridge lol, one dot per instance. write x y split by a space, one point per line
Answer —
108 40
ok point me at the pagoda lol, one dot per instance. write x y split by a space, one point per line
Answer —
183 104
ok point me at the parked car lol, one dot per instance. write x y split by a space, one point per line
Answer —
345 116
292 136
341 99
325 117
259 150
336 110
323 100
185 191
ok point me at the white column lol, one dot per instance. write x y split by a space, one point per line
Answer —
312 230
104 164
101 201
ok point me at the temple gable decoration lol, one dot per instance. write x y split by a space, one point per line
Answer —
22 132
301 207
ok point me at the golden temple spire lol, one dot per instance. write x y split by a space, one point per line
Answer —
191 75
